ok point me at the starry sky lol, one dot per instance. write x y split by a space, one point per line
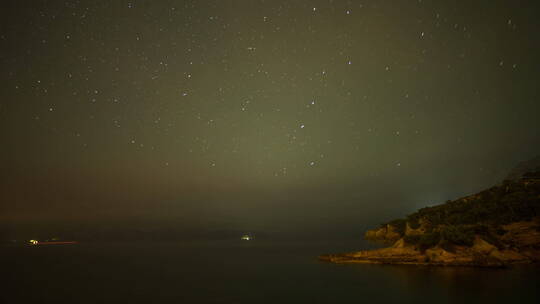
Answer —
260 115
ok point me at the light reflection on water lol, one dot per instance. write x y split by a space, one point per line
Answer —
243 272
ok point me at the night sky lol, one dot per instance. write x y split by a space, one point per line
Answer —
302 116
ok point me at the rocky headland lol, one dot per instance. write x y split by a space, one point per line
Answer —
497 227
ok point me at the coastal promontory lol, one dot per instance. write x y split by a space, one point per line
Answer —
497 227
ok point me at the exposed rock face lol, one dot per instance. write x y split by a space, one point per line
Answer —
418 231
496 227
522 234
389 234
386 234
397 254
481 254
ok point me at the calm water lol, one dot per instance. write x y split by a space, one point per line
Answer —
241 272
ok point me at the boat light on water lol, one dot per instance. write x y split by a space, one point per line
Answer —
36 242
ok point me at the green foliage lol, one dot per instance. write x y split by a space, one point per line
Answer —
429 240
399 226
414 221
490 234
412 239
456 222
447 245
424 241
494 206
459 235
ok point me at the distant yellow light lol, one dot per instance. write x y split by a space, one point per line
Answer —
33 242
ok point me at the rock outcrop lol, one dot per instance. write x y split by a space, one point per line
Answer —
385 234
480 254
497 227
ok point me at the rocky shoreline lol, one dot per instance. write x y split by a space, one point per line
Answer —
481 254
524 238
497 227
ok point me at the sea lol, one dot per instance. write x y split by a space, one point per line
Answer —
235 271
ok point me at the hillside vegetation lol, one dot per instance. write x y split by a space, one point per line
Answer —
483 214
497 227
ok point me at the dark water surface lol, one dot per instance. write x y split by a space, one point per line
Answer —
241 272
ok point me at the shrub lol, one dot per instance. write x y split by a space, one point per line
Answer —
414 221
482 214
459 235
492 206
411 239
429 240
399 225
448 246
488 233
423 241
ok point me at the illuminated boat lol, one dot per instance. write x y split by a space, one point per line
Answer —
36 242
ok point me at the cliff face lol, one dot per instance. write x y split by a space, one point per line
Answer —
524 235
496 227
389 233
385 234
